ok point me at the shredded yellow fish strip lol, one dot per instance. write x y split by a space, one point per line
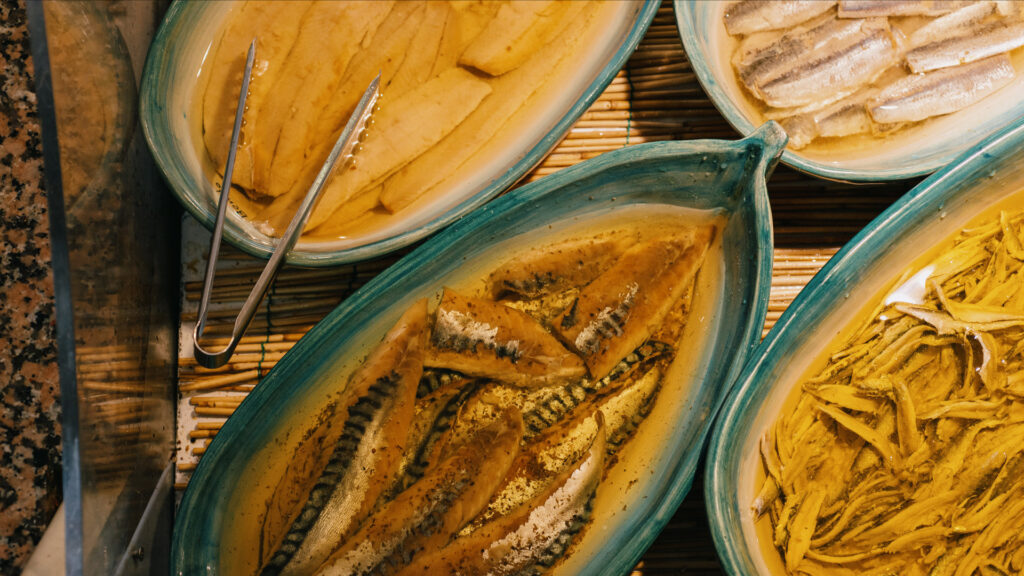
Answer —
905 454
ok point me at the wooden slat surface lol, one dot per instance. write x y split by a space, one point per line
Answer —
656 97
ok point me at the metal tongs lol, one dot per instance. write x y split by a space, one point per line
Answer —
343 147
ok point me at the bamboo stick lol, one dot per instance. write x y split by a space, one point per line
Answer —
218 381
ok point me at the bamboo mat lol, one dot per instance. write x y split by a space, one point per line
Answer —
656 97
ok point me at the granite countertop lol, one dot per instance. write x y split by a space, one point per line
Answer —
30 471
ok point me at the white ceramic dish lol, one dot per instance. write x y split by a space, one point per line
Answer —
184 41
913 151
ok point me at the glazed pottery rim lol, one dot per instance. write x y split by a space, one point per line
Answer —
739 121
150 111
928 197
761 148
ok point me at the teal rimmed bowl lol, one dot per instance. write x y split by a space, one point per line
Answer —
911 152
170 76
855 279
726 179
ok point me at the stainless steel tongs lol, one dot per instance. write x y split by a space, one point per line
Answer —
344 146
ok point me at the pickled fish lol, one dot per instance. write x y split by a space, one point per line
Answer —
952 24
472 440
531 538
842 66
621 308
428 513
748 16
413 122
922 96
870 8
903 454
500 61
973 44
366 456
514 35
556 268
489 340
763 58
844 118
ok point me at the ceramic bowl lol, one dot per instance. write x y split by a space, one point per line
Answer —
914 151
726 178
856 278
170 77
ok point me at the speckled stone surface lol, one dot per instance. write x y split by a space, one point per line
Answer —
30 475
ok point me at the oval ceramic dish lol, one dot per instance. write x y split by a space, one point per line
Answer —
170 76
855 278
725 178
911 152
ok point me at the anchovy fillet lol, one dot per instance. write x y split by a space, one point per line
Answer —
759 60
845 65
872 8
974 44
944 91
951 24
748 16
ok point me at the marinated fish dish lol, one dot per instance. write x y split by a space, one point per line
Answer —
833 69
460 81
476 435
903 453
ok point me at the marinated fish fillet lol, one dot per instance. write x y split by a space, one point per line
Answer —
844 65
763 58
533 536
305 77
952 24
439 168
558 267
406 127
514 35
489 340
315 126
220 99
973 44
749 16
873 8
844 118
427 514
550 406
366 457
434 415
619 310
921 96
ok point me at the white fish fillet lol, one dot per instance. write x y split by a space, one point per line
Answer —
759 61
871 8
853 63
921 96
749 16
847 117
951 24
973 44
